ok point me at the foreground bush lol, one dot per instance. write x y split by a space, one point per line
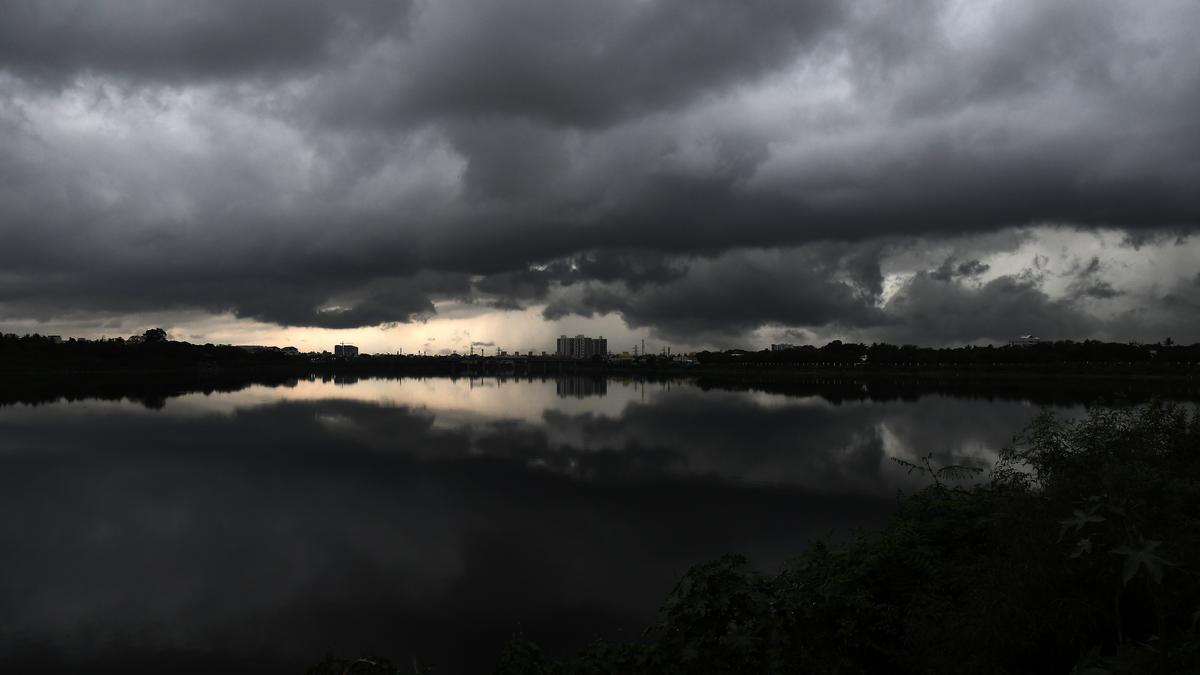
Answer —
1078 555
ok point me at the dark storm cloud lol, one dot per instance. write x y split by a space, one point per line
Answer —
179 41
317 163
1101 290
737 293
935 311
836 289
634 268
1172 312
394 306
1089 284
508 160
951 269
298 302
580 63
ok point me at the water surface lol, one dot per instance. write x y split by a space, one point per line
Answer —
428 518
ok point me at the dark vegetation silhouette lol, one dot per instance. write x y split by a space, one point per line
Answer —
152 368
1077 555
1063 353
149 351
154 351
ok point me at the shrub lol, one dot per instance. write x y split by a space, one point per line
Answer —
1078 553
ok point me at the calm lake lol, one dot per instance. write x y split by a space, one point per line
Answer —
426 518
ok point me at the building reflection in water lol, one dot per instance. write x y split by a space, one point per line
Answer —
581 387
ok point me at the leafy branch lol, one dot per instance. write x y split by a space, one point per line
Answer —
951 472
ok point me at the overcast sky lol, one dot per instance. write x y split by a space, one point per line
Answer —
427 174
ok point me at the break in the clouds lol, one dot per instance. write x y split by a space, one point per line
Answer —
708 172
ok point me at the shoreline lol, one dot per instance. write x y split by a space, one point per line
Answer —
556 369
152 386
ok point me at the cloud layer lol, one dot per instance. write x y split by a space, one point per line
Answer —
695 168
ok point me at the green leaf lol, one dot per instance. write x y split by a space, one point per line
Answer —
1082 546
1078 520
1143 558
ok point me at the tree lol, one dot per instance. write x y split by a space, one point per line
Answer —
154 335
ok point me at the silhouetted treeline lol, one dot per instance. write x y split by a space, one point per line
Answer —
152 351
878 355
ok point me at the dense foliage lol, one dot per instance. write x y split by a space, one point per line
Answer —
1078 555
1092 353
151 350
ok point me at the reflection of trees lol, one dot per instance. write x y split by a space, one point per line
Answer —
151 389
716 431
729 436
303 523
1062 391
